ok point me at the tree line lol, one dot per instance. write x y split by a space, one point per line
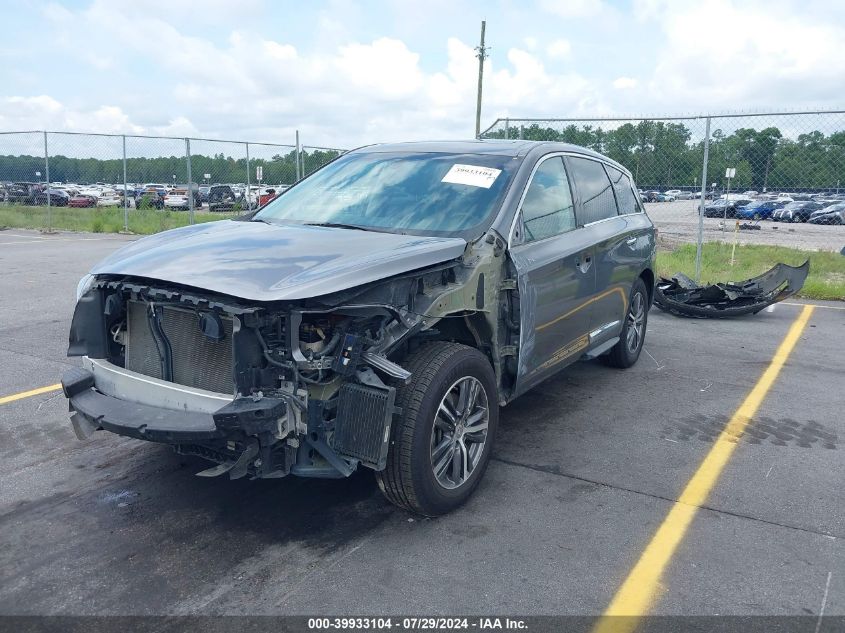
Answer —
662 154
279 169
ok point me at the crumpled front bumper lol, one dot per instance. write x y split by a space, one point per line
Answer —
103 396
261 436
93 410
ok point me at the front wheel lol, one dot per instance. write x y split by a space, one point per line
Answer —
441 443
627 350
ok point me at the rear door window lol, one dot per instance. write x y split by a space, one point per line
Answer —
547 209
597 199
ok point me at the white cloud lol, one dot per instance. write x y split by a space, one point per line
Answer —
260 89
573 8
559 49
56 12
719 54
386 66
45 112
338 90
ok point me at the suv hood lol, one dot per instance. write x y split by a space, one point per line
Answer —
262 262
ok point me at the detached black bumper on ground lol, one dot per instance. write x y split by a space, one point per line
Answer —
683 297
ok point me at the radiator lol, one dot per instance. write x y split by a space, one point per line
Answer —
362 426
198 361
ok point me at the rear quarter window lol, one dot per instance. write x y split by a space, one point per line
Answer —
625 199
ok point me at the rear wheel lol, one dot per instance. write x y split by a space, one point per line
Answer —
626 352
441 443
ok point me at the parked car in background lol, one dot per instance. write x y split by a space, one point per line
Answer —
750 193
677 194
374 316
221 198
88 190
177 199
150 198
799 211
22 192
758 210
128 195
81 200
109 198
833 214
722 208
203 191
58 197
266 195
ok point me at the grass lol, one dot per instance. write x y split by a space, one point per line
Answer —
105 220
826 279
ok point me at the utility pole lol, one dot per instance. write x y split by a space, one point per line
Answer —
703 201
481 55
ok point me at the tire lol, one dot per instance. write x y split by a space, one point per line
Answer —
440 372
626 352
756 216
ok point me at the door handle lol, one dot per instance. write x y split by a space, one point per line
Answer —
631 241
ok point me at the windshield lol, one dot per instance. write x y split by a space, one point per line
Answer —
417 193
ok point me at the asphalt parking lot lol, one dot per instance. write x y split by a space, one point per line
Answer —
586 470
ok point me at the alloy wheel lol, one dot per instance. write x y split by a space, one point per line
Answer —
636 321
460 432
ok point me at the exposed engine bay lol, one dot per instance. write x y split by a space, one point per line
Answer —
306 387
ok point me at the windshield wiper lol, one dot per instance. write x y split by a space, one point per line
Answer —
341 225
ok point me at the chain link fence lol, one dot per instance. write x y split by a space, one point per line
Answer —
142 184
752 167
801 152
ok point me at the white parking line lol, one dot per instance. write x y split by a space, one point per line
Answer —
25 237
815 305
60 239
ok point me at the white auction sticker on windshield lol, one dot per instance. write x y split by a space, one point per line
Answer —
472 175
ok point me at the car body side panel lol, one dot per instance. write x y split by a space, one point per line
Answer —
556 285
624 247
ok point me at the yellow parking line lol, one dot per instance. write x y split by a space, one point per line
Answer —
639 590
28 394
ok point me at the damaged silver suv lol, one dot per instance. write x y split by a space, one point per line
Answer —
376 314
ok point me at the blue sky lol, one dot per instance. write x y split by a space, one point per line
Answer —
346 73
